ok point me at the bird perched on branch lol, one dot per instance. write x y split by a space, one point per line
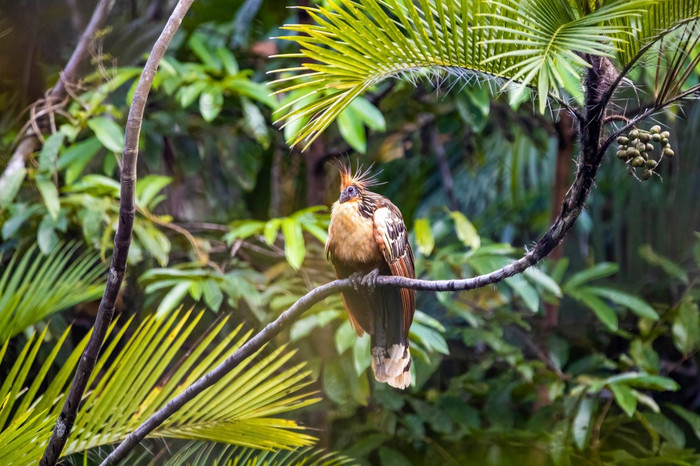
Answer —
367 235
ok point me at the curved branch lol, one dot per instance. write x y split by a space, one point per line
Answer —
29 143
589 162
122 239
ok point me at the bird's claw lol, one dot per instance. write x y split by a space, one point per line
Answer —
370 280
356 280
360 280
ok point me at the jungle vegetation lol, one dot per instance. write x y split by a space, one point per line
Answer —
499 128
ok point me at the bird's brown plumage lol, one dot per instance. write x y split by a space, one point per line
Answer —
367 232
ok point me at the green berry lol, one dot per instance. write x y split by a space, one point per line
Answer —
669 153
656 137
646 174
651 164
656 129
634 134
622 154
633 152
623 141
649 147
664 141
644 137
637 161
665 134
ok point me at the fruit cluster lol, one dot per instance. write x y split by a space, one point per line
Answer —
637 150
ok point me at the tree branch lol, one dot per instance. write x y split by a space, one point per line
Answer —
122 239
589 162
29 142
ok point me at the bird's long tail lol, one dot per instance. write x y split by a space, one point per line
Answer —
391 358
392 365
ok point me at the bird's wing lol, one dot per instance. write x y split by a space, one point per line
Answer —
392 238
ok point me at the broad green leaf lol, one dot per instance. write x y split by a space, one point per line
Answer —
271 229
686 327
558 351
671 268
19 213
46 236
244 229
538 277
199 46
255 91
583 421
76 157
625 398
604 269
13 182
666 428
605 313
173 299
391 457
255 122
213 297
294 248
643 381
49 153
370 115
188 94
148 188
49 193
633 303
465 230
304 326
424 236
361 355
352 129
108 132
211 101
523 289
431 339
228 60
693 419
345 337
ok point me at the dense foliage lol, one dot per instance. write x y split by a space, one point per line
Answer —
589 358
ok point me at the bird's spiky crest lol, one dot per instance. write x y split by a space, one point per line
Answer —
361 178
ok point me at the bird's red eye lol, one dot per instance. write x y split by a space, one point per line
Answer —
352 190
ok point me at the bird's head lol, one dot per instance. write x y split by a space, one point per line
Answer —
354 185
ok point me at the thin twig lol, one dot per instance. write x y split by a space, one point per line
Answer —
29 143
122 240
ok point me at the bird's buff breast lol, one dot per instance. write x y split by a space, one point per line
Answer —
351 237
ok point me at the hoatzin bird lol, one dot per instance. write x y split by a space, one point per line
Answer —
367 235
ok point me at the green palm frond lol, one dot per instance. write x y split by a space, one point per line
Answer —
138 374
195 453
659 17
34 286
355 44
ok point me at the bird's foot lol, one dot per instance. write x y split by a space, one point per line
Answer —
356 280
370 280
360 280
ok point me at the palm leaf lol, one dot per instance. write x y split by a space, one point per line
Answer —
355 44
659 17
140 370
195 453
34 286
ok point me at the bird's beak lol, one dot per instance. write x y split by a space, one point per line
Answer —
344 196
